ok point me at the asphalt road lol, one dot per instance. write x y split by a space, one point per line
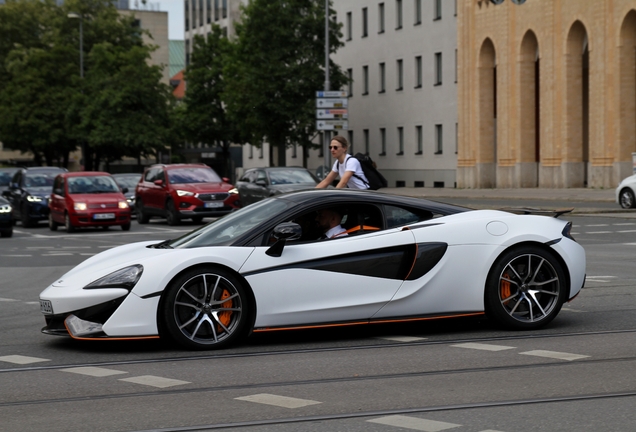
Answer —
461 374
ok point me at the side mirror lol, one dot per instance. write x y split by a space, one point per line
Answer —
282 233
6 194
226 179
158 182
261 183
124 190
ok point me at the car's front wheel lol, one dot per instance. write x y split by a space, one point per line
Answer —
142 217
626 199
205 308
52 223
68 224
172 214
525 288
6 233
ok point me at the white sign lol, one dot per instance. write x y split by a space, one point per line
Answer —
335 114
331 94
332 103
332 125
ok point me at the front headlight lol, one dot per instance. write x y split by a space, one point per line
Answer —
184 193
124 278
123 204
5 208
80 206
233 191
33 198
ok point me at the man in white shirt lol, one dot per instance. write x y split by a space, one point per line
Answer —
329 222
345 166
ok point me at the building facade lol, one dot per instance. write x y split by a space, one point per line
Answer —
547 92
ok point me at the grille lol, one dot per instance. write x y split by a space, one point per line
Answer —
97 206
213 197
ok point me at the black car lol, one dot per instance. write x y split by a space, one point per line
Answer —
29 192
259 183
6 218
6 174
128 181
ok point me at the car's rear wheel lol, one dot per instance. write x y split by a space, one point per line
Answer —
626 199
197 219
142 217
52 223
172 214
6 233
525 288
205 308
67 223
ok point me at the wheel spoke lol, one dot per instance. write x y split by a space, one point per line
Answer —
512 311
190 305
536 272
215 314
216 302
196 329
533 296
194 318
190 295
554 279
515 272
216 286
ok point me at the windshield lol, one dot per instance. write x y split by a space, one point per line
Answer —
290 176
193 175
92 185
5 178
39 180
227 229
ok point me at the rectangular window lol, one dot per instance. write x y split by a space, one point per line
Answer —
400 137
381 18
382 78
350 82
418 12
294 151
200 13
439 140
208 11
251 156
365 80
260 152
350 138
437 13
187 15
383 141
187 51
438 68
349 23
418 72
364 22
400 81
217 10
398 14
224 9
365 134
418 139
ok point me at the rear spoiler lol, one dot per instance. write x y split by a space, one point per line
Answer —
535 211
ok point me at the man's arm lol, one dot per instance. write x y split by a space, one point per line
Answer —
344 180
327 180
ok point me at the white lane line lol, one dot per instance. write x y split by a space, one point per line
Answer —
33 303
626 231
628 244
7 300
626 223
88 254
57 254
39 247
402 338
16 256
554 354
414 423
598 232
155 381
484 347
76 247
566 309
19 359
280 401
93 371
595 225
599 279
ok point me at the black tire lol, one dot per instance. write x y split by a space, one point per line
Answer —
52 224
191 304
24 217
525 288
142 217
126 227
6 233
626 199
172 214
67 223
197 219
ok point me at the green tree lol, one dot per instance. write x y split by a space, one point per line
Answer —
276 67
203 117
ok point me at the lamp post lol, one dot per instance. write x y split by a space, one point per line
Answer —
74 15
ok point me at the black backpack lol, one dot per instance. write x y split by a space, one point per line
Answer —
375 179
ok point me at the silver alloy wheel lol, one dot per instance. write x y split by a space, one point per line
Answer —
627 199
207 309
529 288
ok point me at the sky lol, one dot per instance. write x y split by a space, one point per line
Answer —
175 14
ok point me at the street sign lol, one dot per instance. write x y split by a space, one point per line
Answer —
331 94
327 125
332 102
335 114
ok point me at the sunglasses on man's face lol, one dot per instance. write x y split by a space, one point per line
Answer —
334 147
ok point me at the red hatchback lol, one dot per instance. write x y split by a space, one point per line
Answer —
87 199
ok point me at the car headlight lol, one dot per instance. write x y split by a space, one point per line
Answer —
233 191
33 198
184 193
80 206
123 204
5 208
124 278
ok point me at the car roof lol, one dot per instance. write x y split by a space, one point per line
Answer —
184 165
85 174
44 169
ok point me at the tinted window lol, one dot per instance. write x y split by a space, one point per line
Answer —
92 185
127 181
42 179
193 175
290 176
398 216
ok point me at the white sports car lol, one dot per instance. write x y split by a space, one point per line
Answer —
626 192
264 268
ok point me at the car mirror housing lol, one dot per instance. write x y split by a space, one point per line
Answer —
282 233
158 182
261 182
58 191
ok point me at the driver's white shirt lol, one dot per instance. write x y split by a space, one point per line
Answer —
337 231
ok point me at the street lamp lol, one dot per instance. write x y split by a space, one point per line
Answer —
74 15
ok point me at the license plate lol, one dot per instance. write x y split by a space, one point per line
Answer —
102 216
46 307
214 204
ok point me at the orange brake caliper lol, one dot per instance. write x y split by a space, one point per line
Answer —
225 316
505 287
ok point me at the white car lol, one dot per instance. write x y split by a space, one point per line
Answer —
263 268
626 191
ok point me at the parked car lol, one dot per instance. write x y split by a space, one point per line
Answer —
259 183
128 181
183 191
6 218
404 260
626 192
29 192
87 199
6 174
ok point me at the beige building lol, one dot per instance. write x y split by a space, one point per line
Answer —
546 92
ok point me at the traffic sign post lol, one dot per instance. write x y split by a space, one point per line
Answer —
328 125
332 114
332 102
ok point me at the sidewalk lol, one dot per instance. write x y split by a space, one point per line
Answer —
575 194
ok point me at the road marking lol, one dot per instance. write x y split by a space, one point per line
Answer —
599 279
595 225
155 381
598 232
485 347
626 231
402 338
88 254
7 300
554 355
280 401
16 256
76 247
93 371
627 223
57 254
414 423
566 309
18 359
33 303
